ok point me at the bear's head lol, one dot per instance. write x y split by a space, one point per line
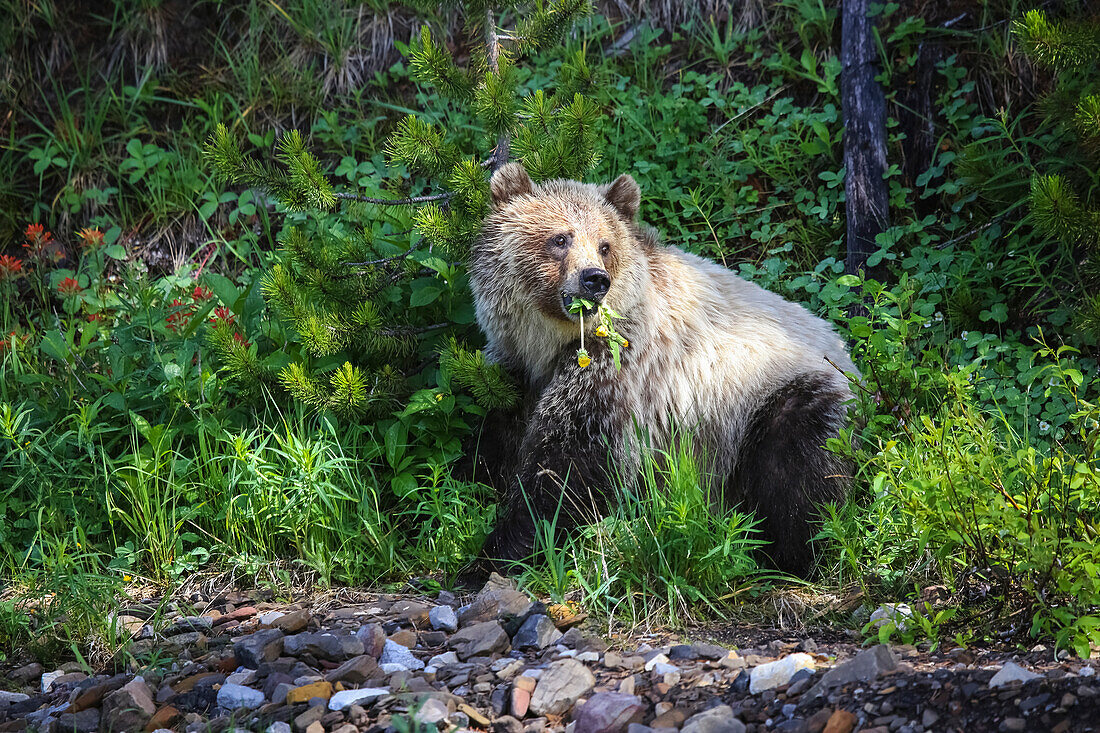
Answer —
544 245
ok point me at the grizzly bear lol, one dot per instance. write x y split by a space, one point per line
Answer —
757 379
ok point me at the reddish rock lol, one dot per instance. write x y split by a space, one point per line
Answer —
841 721
608 712
238 615
166 717
188 683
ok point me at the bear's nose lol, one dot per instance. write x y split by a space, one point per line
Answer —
596 282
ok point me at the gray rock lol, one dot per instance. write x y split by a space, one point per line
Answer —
394 653
9 698
715 720
355 670
480 639
346 698
262 646
492 603
560 686
278 726
431 711
864 667
537 632
235 697
443 618
608 712
188 623
324 645
86 721
1012 672
48 679
896 613
129 707
445 659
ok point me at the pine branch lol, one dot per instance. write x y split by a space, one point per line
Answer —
492 42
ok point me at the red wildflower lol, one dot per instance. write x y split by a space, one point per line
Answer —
181 313
93 317
9 342
37 239
68 287
200 294
91 237
10 267
240 339
223 315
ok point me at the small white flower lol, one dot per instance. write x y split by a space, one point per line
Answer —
964 334
1052 382
1044 426
937 316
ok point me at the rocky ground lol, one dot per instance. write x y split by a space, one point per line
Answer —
502 663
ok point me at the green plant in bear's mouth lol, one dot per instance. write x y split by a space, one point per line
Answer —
606 329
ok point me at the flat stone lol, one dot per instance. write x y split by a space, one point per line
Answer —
188 623
305 693
293 622
346 698
537 632
482 639
775 674
279 726
10 698
324 645
413 612
27 672
715 720
493 603
608 712
239 614
864 667
443 618
1012 672
259 647
560 686
235 697
354 671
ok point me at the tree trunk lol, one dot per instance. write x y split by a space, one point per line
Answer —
864 110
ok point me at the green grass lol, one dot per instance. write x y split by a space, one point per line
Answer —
127 449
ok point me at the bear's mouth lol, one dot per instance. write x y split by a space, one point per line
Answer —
567 306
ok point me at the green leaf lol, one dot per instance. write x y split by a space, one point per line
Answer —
116 252
424 291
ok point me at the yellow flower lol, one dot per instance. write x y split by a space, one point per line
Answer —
127 578
583 359
601 331
625 343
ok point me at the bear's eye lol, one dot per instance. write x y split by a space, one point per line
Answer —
560 241
605 248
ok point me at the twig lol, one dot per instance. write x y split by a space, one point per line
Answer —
492 40
379 261
395 202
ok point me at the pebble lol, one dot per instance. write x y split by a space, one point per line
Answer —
395 654
235 697
346 698
443 618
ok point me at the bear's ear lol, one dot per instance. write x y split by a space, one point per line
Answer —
509 181
625 195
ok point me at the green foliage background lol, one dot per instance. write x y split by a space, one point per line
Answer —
195 402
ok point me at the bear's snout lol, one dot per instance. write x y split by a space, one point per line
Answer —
595 282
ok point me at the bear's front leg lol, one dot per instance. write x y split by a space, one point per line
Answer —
570 456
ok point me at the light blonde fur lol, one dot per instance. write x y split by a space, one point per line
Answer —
706 347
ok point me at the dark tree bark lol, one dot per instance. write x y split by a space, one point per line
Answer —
864 109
